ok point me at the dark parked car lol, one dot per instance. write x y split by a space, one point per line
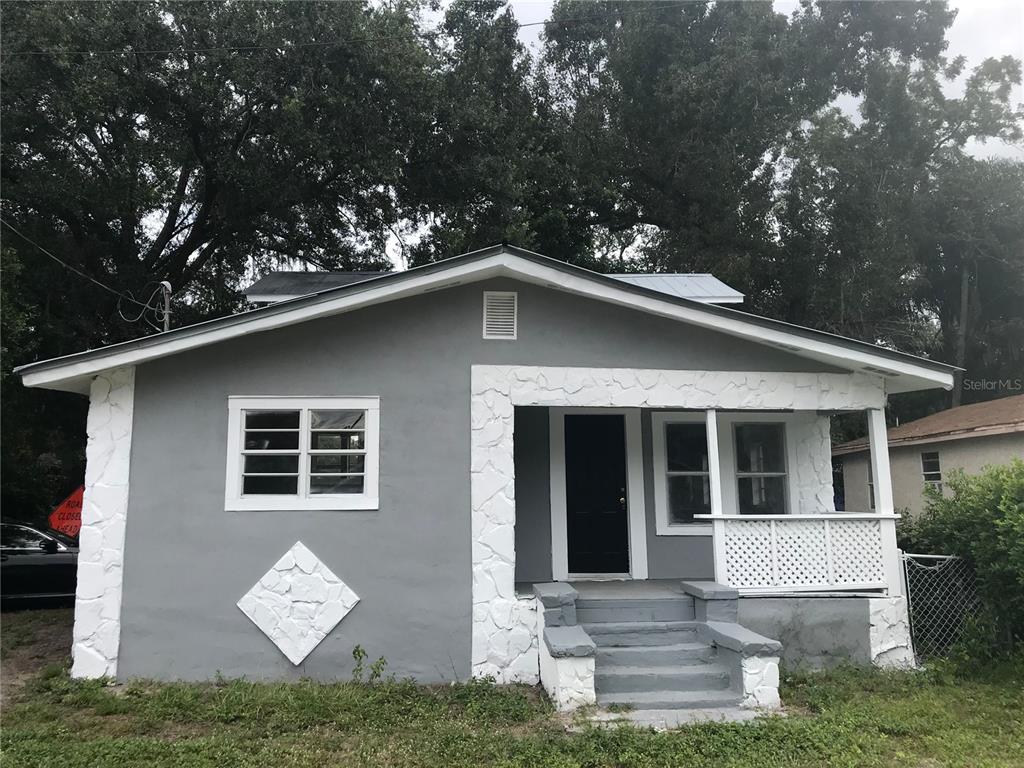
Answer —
36 562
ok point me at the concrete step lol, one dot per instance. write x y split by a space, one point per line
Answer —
634 609
641 632
677 654
670 699
630 679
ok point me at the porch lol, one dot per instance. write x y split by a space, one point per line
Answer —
583 475
744 498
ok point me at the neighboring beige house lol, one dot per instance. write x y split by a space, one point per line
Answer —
923 452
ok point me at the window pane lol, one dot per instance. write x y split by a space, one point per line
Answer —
259 464
271 419
762 495
686 447
688 495
337 441
269 484
335 484
930 462
759 448
271 441
340 463
337 419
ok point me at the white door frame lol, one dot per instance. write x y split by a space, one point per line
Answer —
636 507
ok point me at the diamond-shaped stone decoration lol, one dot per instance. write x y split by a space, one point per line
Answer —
298 602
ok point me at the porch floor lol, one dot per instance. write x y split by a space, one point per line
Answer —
621 589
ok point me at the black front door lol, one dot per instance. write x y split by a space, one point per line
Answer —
595 493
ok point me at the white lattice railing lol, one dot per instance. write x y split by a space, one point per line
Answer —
792 553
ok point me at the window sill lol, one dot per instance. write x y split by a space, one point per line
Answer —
292 504
684 530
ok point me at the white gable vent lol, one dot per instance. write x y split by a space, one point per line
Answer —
500 314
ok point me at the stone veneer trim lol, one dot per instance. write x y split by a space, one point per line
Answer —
889 633
97 631
504 642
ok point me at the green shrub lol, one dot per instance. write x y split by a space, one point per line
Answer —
982 520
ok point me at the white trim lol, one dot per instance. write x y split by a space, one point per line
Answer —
72 373
829 516
556 489
490 335
659 420
637 512
234 501
884 505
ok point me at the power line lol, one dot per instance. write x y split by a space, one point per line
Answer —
74 269
382 38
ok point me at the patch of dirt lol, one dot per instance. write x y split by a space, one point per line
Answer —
33 639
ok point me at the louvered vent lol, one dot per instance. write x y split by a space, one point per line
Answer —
499 314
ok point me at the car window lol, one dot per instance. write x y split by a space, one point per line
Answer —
19 537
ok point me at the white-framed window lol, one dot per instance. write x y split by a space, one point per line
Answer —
761 476
302 453
682 482
931 470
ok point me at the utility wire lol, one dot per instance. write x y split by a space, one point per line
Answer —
74 269
383 38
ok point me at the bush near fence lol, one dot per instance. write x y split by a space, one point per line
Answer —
981 519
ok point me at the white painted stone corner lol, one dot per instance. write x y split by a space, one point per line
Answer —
97 633
889 633
298 602
569 681
761 683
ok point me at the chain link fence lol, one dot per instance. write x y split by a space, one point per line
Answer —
941 596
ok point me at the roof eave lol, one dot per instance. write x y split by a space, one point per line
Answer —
902 372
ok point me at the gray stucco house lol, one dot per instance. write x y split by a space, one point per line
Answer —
495 465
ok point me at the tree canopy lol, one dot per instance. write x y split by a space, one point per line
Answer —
205 142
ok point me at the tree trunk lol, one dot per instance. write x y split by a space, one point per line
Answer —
961 334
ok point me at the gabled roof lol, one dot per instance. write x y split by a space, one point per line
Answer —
994 417
903 372
281 286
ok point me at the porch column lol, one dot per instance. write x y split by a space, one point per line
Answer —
715 481
879 443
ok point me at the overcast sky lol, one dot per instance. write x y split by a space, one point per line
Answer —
982 28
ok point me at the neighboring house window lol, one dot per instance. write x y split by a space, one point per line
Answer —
682 480
761 468
297 453
931 470
871 487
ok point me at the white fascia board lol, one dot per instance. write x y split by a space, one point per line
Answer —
73 375
718 299
273 298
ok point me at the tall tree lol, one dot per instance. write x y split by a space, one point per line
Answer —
178 141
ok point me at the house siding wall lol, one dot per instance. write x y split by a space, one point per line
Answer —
970 454
187 561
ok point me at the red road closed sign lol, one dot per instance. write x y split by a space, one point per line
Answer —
67 517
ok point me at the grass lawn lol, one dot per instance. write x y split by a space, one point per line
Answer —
844 718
